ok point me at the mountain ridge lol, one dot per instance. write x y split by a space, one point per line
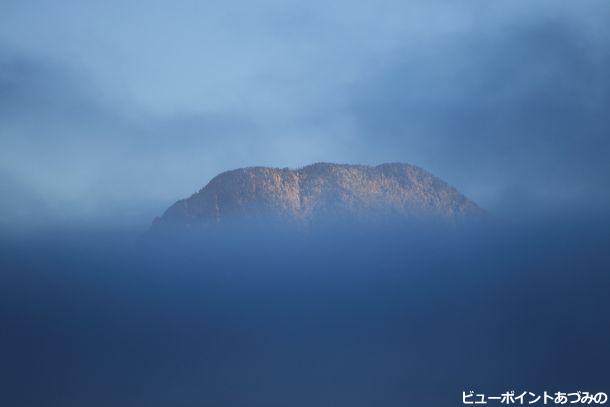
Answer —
318 191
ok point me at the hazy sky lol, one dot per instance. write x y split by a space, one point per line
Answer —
112 110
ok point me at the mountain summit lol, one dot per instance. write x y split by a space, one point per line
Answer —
321 191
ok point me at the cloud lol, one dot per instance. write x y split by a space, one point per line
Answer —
525 107
84 159
111 111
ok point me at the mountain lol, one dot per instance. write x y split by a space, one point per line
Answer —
318 192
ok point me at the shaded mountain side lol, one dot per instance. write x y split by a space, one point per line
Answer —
321 191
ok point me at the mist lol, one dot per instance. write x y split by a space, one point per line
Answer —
110 112
348 316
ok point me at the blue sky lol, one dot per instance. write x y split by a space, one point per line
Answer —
110 111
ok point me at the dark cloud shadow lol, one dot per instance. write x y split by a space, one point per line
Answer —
522 107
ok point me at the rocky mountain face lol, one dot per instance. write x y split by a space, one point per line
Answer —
318 192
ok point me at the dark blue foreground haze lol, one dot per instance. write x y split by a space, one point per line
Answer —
354 317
